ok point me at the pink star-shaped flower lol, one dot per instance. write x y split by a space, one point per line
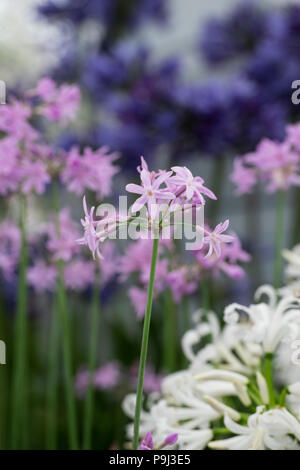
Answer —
215 239
150 191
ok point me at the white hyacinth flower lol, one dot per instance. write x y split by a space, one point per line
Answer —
265 430
268 323
238 364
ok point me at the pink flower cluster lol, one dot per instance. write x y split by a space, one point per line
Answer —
24 155
93 170
177 189
276 164
28 163
228 262
181 279
62 245
110 375
57 103
104 378
179 186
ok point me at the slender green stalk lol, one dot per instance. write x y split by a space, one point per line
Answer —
4 392
66 337
144 347
67 353
279 239
19 392
52 388
169 332
269 377
282 397
220 431
93 350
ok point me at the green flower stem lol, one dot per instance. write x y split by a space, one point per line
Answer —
92 362
67 353
220 431
19 429
254 397
144 347
52 388
279 238
282 397
4 392
269 378
169 332
63 316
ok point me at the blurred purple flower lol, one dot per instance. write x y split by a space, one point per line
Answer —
107 376
42 277
79 274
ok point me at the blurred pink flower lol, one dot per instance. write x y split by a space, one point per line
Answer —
41 276
81 383
152 381
79 274
275 164
243 177
94 170
107 376
10 170
137 255
104 378
179 283
138 299
232 254
293 136
59 103
192 186
45 89
14 121
160 274
278 164
215 239
63 244
109 264
35 177
150 191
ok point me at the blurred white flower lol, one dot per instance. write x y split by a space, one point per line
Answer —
181 408
266 430
292 272
230 378
28 45
268 323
